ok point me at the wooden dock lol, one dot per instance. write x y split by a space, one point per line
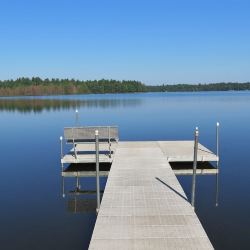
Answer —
144 205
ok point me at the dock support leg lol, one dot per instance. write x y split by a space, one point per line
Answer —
63 191
217 189
61 142
109 142
217 165
62 166
74 144
78 186
97 171
194 165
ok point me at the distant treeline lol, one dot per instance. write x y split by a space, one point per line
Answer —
37 86
200 87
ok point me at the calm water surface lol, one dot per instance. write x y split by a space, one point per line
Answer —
33 213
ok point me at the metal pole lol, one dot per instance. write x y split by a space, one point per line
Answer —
97 171
63 193
217 165
196 135
109 143
77 118
217 141
74 144
61 139
77 183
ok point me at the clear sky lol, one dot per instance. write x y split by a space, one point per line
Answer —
175 41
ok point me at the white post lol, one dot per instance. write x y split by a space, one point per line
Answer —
109 142
97 171
61 140
217 164
217 142
196 135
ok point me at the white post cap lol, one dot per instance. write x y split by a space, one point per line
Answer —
96 132
217 124
61 138
196 131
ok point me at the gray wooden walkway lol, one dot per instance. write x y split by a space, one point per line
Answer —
144 206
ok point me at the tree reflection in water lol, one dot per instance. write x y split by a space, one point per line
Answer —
36 105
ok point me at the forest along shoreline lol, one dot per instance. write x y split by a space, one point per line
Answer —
36 86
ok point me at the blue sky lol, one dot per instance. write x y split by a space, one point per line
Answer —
152 41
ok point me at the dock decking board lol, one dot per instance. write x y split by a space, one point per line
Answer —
144 205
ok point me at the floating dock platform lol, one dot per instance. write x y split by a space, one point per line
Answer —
143 204
174 152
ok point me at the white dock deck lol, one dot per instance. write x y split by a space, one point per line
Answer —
179 151
144 206
88 153
175 151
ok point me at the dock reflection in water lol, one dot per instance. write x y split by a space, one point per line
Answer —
80 200
81 205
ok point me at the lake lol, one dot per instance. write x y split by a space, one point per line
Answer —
34 215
